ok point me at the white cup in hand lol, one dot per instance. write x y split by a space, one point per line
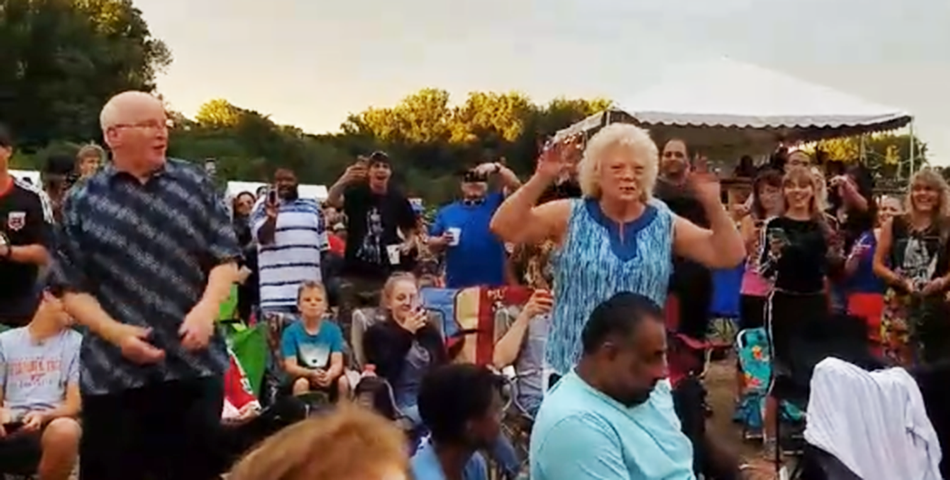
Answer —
454 234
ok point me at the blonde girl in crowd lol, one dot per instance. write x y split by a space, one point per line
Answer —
911 258
793 255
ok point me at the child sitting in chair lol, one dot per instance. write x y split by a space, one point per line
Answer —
312 348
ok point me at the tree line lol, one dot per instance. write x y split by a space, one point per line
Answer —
64 58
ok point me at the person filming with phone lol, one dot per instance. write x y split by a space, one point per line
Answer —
474 256
292 242
406 345
381 227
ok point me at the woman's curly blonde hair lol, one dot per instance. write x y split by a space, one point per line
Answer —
625 135
932 179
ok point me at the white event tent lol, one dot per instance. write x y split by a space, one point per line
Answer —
318 192
724 108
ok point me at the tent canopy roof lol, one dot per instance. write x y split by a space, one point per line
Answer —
725 101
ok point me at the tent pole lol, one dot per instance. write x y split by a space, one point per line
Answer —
862 150
913 148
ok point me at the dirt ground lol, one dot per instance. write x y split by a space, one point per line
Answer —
720 386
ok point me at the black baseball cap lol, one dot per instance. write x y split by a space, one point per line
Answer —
473 176
379 156
6 138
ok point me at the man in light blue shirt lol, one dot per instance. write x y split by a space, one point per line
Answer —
461 406
613 417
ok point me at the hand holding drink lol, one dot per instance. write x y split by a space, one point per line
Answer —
357 172
540 303
454 234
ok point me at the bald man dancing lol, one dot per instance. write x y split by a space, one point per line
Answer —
147 257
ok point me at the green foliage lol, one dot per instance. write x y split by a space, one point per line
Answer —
428 139
885 153
62 59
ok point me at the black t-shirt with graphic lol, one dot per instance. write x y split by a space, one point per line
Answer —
25 219
794 254
373 223
918 255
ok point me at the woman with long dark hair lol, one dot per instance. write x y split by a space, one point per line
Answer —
793 254
766 204
863 289
248 290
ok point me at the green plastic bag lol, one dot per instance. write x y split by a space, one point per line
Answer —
250 347
229 307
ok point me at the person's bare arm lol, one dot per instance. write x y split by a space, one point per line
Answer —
336 365
295 370
851 196
750 234
509 179
507 349
353 173
881 269
70 408
517 220
35 254
335 193
267 230
220 280
720 246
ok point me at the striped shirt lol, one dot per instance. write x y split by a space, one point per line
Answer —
144 251
294 256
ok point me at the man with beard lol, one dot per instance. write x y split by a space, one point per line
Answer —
291 241
613 417
474 255
380 227
690 279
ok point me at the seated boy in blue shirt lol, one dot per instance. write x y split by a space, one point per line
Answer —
312 348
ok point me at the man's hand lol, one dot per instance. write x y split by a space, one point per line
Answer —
243 275
198 326
486 169
442 240
356 172
33 421
271 210
133 342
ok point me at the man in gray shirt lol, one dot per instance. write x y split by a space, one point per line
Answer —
39 375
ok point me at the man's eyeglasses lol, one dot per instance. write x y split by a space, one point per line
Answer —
150 125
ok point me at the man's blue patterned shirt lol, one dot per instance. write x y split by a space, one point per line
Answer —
144 251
